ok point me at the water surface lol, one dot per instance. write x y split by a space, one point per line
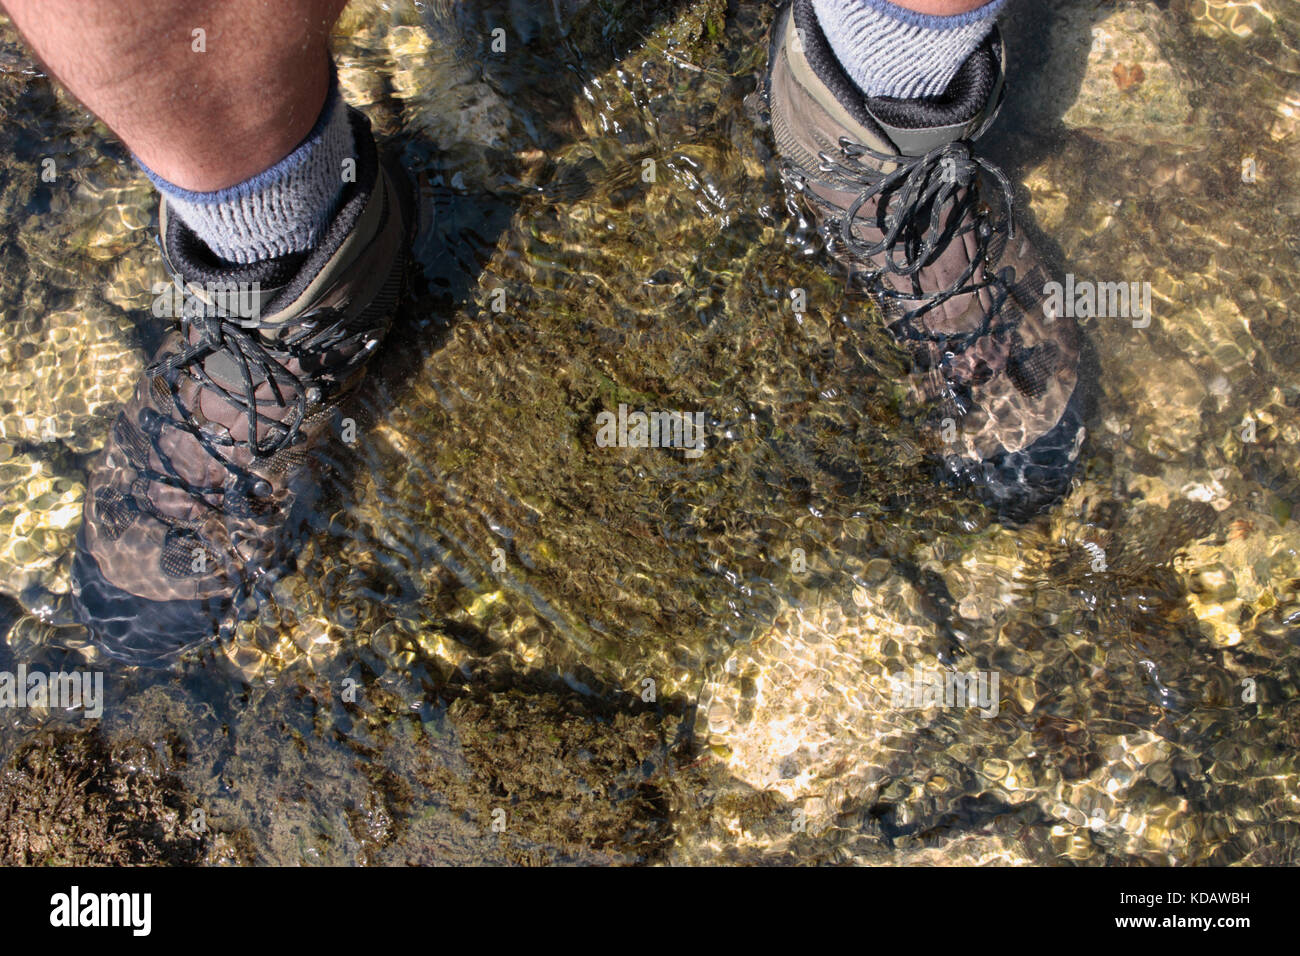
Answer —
641 657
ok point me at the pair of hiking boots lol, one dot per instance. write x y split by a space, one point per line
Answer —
189 506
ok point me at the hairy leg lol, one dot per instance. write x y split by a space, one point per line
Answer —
941 8
202 120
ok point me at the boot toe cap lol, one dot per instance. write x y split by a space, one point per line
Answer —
1020 485
136 630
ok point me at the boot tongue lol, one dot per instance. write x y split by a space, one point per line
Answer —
225 371
917 126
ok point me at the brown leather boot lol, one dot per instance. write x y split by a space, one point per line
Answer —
186 506
895 187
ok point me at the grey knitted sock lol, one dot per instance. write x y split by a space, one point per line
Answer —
891 51
277 212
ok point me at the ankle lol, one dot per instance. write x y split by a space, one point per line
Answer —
281 211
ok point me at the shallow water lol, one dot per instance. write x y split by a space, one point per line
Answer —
638 656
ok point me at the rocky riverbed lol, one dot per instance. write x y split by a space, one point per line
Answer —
504 643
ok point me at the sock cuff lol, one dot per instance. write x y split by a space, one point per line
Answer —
931 21
890 51
281 210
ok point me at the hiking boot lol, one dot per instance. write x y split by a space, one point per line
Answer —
186 508
895 187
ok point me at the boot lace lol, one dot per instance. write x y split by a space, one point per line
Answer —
923 204
257 360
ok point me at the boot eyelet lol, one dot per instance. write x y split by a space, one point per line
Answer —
150 422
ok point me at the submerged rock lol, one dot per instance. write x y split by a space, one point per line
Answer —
1128 86
1099 67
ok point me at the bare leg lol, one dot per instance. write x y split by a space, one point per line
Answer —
202 120
941 8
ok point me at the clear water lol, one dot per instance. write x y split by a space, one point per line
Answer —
620 649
